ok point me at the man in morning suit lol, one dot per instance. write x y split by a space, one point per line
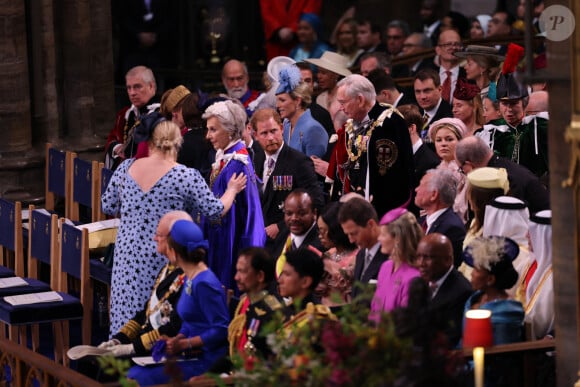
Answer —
301 229
473 152
360 223
436 194
282 169
427 86
372 151
449 288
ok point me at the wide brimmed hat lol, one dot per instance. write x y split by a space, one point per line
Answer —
276 64
474 49
332 61
493 253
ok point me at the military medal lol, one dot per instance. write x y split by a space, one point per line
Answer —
249 347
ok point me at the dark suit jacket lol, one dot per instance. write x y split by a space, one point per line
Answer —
448 304
524 185
372 271
407 99
293 163
451 225
275 247
444 110
196 152
425 159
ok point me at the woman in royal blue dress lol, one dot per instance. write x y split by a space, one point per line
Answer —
243 225
202 307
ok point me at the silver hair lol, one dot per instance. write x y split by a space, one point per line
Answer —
443 181
231 115
356 84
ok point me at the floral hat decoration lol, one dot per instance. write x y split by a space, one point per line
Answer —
288 79
465 91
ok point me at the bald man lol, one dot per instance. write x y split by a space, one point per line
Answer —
449 289
537 103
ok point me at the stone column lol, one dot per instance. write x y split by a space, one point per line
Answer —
14 88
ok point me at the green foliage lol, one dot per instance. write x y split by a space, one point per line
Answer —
117 367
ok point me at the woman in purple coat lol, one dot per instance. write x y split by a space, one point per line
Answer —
399 236
243 225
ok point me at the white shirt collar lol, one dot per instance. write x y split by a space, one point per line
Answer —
440 281
298 239
430 219
433 111
396 103
417 145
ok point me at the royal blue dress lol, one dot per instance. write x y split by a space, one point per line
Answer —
243 225
136 261
204 313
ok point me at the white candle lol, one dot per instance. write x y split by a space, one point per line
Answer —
478 355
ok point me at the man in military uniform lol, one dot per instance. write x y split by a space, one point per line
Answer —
373 154
258 305
159 316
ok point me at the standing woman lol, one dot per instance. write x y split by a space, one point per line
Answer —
481 66
301 131
202 307
141 191
399 238
243 226
445 134
467 106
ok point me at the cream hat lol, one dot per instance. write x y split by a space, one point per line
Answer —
487 177
332 61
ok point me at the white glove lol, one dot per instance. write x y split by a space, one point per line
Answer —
109 344
122 350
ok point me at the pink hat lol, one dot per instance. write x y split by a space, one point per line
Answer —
392 215
455 124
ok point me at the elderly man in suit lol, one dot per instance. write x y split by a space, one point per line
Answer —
436 194
282 169
360 223
449 288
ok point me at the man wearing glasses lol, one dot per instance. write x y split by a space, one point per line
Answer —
449 69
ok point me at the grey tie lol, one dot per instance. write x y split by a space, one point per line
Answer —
368 259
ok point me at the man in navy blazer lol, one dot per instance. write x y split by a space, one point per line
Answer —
427 86
290 169
436 194
360 223
449 288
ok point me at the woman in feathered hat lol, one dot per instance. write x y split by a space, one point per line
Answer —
301 131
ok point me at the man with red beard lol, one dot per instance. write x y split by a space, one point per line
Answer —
282 169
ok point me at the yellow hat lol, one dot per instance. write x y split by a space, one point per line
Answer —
487 177
175 97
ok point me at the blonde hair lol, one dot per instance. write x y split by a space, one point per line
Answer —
167 138
407 232
302 91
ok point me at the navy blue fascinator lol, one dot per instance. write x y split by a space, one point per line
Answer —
145 127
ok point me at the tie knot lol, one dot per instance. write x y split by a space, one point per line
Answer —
271 162
448 73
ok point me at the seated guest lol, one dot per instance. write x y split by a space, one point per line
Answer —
473 152
339 258
300 276
202 307
360 223
301 229
493 273
400 234
539 279
435 195
449 289
508 217
159 316
309 34
484 185
254 275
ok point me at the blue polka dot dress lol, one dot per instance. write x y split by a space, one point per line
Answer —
136 260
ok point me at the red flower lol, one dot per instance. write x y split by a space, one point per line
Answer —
249 363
